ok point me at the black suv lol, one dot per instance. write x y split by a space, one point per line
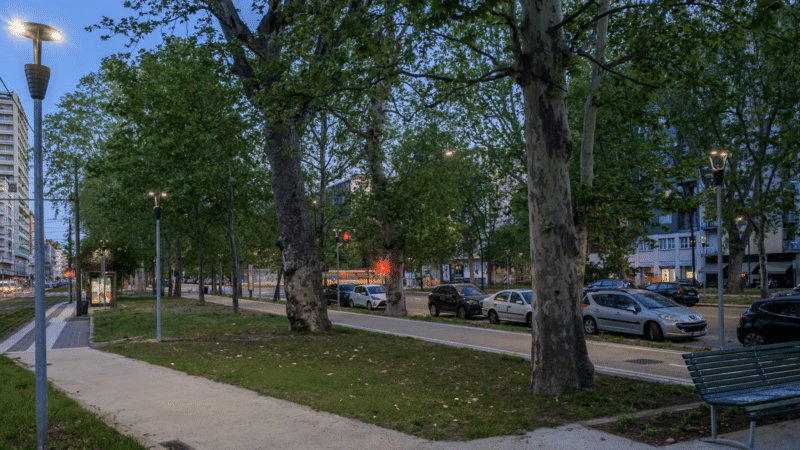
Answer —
681 293
690 282
770 321
463 299
608 284
794 291
345 289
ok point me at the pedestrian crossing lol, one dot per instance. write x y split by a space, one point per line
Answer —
64 330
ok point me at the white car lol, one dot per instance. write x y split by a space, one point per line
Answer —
512 306
369 296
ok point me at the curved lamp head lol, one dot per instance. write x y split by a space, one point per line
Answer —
38 75
717 159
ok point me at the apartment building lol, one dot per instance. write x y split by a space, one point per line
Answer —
669 253
15 214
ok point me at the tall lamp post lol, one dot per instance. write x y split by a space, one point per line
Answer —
717 160
157 196
219 255
38 76
103 243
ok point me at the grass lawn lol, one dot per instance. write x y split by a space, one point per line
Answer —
416 387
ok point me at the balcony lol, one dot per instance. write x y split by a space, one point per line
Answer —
709 224
708 250
791 246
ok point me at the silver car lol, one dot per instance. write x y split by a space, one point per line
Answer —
637 311
513 306
369 296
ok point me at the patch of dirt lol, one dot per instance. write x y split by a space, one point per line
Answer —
668 426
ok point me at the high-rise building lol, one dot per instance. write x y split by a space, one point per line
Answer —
15 232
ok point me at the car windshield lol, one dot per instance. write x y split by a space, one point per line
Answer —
376 290
470 290
651 300
347 287
528 296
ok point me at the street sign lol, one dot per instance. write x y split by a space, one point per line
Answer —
333 278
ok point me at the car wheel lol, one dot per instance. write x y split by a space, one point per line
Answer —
589 326
369 305
529 320
493 317
461 312
654 332
434 310
352 304
753 338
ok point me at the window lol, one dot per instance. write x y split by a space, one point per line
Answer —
501 297
686 242
665 220
645 246
516 298
666 244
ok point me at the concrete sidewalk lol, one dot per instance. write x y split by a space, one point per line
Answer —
158 405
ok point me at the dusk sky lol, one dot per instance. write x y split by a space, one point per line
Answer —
79 54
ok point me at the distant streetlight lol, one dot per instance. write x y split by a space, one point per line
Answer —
103 243
219 255
158 196
38 77
717 160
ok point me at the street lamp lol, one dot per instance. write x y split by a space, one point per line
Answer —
38 76
717 159
157 196
103 243
219 255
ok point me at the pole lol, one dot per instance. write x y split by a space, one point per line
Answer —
104 277
158 274
69 279
721 316
41 342
338 275
77 262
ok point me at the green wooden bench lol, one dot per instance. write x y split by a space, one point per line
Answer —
763 380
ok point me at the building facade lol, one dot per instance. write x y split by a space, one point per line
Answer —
15 214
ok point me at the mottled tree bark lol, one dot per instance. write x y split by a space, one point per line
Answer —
587 142
306 307
559 356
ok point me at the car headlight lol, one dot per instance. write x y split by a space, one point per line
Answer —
669 318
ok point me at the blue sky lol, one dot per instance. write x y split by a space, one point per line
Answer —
77 55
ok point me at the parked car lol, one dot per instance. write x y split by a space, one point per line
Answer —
369 296
608 284
464 299
770 321
681 293
642 312
512 306
794 291
690 281
345 289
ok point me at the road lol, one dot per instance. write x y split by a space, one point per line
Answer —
417 305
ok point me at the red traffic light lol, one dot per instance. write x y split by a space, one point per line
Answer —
345 237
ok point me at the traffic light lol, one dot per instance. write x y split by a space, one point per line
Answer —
345 238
